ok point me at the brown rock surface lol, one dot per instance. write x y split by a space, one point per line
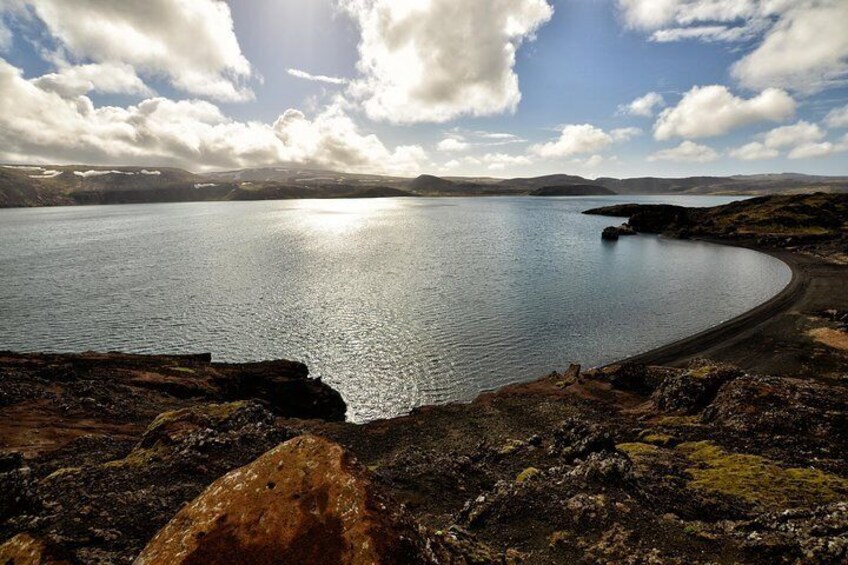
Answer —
49 400
24 549
305 501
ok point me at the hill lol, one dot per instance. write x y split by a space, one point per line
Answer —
572 190
35 185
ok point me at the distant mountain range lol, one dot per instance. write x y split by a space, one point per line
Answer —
33 185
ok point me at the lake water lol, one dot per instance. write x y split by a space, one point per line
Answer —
394 302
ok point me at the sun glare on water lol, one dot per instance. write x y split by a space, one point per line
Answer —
343 216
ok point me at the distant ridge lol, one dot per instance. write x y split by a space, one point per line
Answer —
61 185
572 190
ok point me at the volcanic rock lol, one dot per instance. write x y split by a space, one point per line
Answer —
306 501
693 389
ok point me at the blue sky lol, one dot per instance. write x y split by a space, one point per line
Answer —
479 87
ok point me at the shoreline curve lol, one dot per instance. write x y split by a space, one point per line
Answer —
684 349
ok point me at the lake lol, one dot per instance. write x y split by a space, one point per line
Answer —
395 302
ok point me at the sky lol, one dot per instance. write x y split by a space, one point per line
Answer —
498 88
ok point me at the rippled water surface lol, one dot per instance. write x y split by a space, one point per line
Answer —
395 302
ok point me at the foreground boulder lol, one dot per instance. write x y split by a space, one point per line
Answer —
305 501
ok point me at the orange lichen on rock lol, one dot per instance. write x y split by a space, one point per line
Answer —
305 501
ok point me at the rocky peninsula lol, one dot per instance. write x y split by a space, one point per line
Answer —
724 448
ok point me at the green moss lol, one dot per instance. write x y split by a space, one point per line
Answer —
678 421
511 446
138 457
658 439
183 370
214 412
636 448
62 472
642 454
527 474
758 480
701 372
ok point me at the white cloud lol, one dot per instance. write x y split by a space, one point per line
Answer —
592 162
452 144
500 161
644 105
6 36
798 44
113 78
823 149
806 50
810 150
190 42
754 151
575 140
796 134
432 61
625 134
688 151
499 136
297 73
42 126
837 118
703 33
707 111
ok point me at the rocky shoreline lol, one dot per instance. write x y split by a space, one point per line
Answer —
111 458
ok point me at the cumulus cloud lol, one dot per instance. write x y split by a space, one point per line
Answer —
450 144
436 60
190 42
754 151
500 161
575 140
492 161
796 134
625 134
798 44
687 151
837 118
806 50
810 150
644 105
39 124
707 111
297 73
110 78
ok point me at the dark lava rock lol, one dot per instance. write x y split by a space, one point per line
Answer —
802 418
610 233
635 377
694 388
106 512
578 438
657 218
66 396
817 536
